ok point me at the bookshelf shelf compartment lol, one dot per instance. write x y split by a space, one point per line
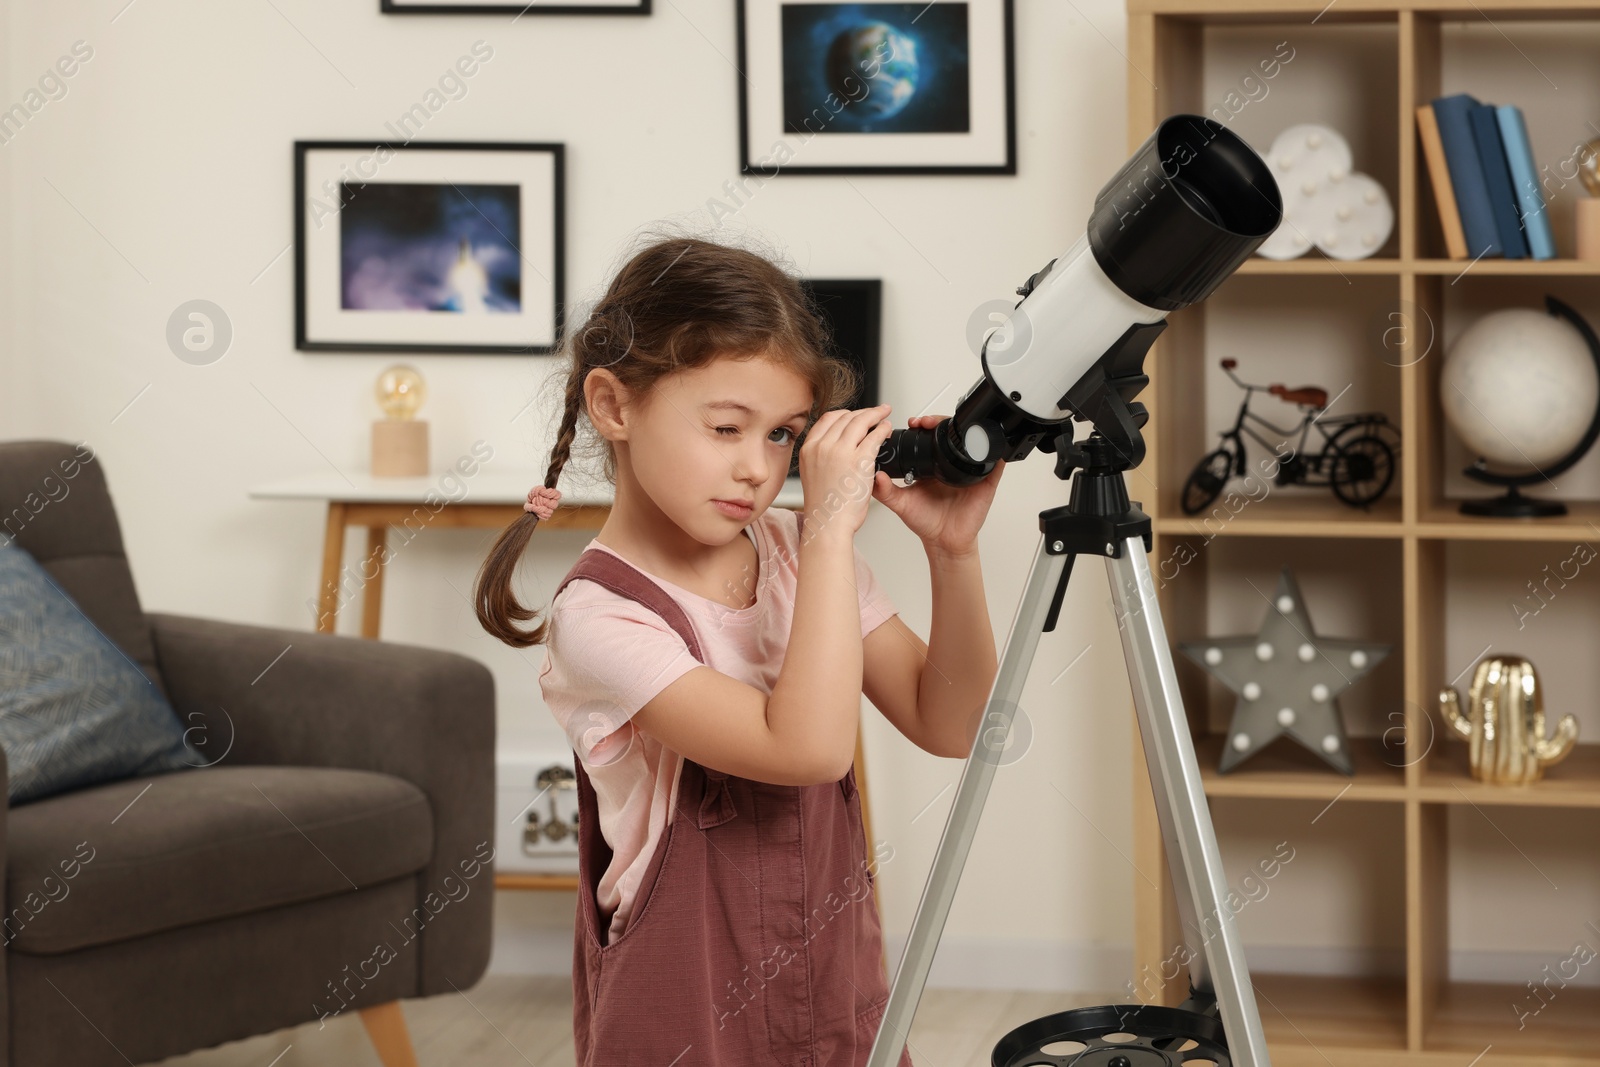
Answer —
1546 69
1336 348
1261 79
1224 588
1543 1007
1276 855
1532 598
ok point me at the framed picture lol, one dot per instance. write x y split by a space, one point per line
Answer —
876 88
535 7
428 247
853 310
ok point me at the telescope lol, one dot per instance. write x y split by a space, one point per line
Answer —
1168 228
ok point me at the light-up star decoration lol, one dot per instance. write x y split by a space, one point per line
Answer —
1287 680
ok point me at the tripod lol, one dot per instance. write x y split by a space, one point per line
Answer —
1099 520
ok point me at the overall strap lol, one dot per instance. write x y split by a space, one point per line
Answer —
626 580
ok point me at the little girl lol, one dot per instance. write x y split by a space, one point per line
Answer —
706 657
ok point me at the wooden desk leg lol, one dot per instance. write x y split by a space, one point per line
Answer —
372 594
332 558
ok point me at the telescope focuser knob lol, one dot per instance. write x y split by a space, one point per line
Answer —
1070 456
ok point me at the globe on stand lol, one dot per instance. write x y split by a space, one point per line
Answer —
1522 389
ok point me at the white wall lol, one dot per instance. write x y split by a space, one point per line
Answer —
164 175
174 143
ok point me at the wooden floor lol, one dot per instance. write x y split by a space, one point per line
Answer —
512 1021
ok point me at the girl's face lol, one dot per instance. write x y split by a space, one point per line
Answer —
725 431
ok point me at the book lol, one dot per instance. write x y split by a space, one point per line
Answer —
1466 174
1525 182
1455 239
1497 176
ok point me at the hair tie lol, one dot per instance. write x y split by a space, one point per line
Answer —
542 500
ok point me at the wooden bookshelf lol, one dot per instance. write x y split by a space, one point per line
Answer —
1419 1016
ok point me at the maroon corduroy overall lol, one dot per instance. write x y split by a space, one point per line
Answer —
754 939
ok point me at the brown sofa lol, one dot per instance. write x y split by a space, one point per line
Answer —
334 855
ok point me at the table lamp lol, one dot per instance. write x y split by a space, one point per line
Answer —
400 439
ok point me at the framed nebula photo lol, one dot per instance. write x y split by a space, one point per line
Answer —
428 247
876 88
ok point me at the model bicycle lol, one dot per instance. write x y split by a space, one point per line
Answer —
1355 460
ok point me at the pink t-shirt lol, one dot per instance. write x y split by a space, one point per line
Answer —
607 656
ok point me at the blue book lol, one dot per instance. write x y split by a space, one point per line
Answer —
1525 182
1497 176
1466 174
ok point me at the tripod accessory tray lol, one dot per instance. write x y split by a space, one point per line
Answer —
1116 1035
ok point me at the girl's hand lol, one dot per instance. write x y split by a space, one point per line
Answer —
946 517
837 462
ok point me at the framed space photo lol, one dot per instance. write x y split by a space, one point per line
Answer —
876 88
428 247
528 7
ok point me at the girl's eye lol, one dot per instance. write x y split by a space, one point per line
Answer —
727 430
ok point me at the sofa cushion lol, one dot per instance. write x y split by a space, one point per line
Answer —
129 858
74 709
55 503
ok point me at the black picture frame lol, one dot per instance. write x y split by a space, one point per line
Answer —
311 336
634 7
853 311
1002 86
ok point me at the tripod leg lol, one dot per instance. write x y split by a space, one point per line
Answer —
912 974
1186 829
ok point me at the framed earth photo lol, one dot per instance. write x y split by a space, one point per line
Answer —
876 88
447 246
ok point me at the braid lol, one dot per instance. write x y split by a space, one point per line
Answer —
569 430
494 601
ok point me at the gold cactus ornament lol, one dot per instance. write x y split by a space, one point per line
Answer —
1505 723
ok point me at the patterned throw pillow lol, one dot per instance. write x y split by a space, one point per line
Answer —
74 709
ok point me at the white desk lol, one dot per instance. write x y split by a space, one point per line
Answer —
491 499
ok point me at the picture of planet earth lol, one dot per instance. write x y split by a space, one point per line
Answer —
876 68
853 53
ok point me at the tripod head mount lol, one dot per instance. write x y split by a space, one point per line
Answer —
1097 452
1098 518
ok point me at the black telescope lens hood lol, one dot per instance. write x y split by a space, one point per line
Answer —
1184 211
